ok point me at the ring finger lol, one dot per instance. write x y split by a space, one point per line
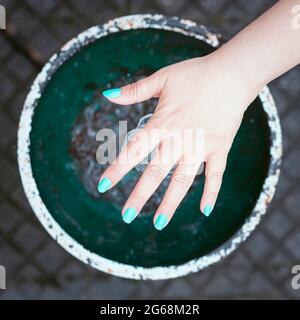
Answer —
154 174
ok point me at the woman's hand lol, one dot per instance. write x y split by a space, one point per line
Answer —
207 95
203 95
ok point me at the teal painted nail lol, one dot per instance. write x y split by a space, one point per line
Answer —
161 221
207 210
112 93
104 184
129 215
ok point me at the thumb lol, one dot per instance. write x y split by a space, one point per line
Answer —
138 91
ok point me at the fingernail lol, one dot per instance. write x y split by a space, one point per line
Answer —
207 210
129 215
112 93
161 221
104 184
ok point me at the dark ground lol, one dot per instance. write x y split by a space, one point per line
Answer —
37 267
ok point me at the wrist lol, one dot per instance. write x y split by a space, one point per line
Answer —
232 77
241 67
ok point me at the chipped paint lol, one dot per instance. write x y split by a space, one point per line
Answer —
184 27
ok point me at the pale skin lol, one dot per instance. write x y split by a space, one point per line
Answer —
210 93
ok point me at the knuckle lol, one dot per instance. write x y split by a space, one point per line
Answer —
158 117
134 89
134 150
183 179
214 175
156 172
115 172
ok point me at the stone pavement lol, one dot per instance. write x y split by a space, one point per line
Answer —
39 268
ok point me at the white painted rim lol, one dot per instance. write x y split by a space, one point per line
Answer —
185 27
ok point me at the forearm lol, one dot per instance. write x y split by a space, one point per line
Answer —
268 47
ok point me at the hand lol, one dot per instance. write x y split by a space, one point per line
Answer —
205 94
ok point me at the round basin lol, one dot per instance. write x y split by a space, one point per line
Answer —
57 155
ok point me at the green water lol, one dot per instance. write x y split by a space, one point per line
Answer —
96 223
